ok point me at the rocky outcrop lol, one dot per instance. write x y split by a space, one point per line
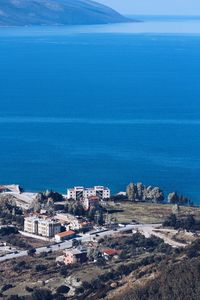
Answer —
12 188
139 192
7 200
46 201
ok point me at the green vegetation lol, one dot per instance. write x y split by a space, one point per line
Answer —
63 289
135 244
188 223
139 192
137 252
26 273
174 198
10 214
178 280
163 273
95 213
31 251
5 231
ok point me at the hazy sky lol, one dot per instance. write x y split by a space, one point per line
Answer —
184 7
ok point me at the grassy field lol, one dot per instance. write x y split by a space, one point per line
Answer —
148 212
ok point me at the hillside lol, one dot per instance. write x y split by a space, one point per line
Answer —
176 278
56 12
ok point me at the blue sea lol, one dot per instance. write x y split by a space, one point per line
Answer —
88 105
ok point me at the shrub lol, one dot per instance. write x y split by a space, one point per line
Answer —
123 270
41 294
6 287
14 297
40 268
20 266
63 289
64 271
4 231
86 285
59 297
79 290
31 251
29 289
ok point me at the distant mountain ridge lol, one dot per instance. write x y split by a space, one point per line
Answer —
56 12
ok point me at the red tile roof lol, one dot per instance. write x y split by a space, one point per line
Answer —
112 251
66 233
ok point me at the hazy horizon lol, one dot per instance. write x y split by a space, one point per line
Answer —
155 7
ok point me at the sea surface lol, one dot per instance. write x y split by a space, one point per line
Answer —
88 105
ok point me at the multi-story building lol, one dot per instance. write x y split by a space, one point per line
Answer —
31 225
69 221
73 223
92 201
80 192
41 226
73 256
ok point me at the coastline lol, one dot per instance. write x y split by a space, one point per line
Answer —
144 156
27 196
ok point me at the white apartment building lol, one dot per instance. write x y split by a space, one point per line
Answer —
80 192
69 221
73 223
42 227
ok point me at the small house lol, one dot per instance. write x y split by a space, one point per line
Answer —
109 253
73 256
64 236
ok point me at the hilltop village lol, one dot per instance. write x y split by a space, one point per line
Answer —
51 240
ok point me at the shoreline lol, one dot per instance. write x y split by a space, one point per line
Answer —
26 194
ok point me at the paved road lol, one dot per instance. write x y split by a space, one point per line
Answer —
161 233
85 238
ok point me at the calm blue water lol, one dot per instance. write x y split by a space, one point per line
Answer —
78 107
